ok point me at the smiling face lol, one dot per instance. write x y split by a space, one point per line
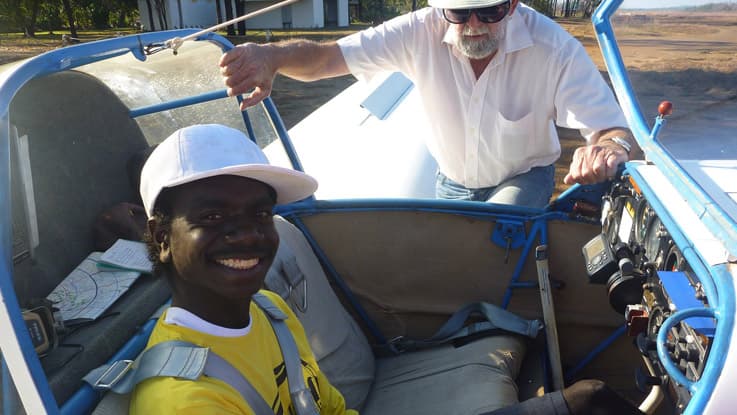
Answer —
218 245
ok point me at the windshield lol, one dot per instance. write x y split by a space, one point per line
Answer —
684 52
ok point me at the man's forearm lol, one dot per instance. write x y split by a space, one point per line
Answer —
306 60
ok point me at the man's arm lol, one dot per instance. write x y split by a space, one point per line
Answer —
599 160
252 66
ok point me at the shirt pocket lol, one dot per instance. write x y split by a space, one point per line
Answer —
516 139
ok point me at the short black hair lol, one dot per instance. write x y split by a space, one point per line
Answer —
162 215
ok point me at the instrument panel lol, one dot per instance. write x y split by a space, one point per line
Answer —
647 280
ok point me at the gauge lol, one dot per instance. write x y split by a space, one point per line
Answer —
655 241
643 216
674 260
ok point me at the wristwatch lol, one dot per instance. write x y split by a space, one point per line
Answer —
622 142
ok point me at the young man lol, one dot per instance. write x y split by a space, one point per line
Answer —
494 76
209 192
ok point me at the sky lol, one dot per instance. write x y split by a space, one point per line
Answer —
652 4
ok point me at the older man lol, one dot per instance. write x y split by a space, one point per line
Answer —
495 78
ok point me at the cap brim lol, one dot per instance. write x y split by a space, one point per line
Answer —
290 185
464 4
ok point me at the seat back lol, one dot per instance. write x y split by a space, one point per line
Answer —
339 345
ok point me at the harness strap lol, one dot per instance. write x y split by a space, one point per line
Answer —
184 360
496 318
178 359
302 399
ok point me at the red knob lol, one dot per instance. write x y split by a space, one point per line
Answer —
665 108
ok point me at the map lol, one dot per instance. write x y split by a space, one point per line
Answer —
88 291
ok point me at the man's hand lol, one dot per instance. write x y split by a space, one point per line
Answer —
248 67
595 163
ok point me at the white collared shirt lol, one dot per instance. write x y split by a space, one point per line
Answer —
503 124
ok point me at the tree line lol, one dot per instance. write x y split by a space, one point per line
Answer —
30 16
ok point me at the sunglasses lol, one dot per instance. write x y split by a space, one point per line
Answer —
491 14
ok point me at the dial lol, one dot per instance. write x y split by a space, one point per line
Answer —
643 215
655 241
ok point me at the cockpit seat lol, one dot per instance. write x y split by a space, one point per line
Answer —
473 378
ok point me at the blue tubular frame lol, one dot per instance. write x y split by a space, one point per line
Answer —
717 280
538 226
539 219
177 103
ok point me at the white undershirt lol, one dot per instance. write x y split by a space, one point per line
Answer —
180 317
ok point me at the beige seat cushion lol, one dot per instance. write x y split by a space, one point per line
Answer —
471 379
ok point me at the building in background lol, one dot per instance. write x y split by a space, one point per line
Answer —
304 14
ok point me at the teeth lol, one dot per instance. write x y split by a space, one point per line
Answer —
238 263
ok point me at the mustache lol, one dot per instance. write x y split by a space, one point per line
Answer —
469 31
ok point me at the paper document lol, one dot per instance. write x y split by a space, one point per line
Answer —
126 254
88 291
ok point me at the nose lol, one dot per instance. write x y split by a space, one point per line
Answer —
473 20
244 233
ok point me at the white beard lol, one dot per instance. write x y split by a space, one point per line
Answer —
480 49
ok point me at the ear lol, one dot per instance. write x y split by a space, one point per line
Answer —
160 236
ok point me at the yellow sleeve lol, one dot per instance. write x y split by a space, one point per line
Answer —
163 396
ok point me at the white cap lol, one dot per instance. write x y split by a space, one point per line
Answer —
463 4
207 150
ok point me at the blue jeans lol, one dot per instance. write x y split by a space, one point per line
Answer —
532 189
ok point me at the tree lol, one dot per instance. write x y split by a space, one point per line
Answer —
70 16
588 7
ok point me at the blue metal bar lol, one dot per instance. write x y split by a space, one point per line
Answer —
282 132
84 400
595 352
373 328
178 103
725 316
712 215
538 227
247 121
465 208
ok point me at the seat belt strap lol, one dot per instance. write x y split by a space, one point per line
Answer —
178 359
302 399
495 318
185 360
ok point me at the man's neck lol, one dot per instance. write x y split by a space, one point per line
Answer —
479 65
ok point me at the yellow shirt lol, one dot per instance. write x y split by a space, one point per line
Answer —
256 355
